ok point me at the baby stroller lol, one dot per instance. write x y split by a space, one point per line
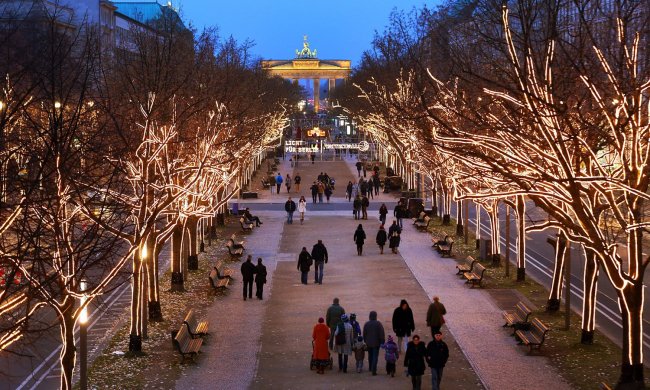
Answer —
312 361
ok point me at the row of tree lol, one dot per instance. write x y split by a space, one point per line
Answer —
109 152
546 101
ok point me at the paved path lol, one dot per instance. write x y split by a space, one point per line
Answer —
267 344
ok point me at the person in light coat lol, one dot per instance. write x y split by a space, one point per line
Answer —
344 350
302 207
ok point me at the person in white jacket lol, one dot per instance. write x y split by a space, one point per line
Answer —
302 207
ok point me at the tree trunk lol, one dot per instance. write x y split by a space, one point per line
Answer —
177 283
135 330
67 356
153 304
589 300
478 225
631 303
459 219
555 294
521 238
495 234
193 258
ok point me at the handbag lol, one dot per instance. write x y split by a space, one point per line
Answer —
340 338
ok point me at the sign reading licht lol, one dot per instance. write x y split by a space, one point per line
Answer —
302 146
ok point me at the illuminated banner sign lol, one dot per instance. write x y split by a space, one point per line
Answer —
302 146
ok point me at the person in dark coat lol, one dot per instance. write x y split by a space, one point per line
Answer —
403 323
437 356
260 278
319 255
348 191
359 166
399 212
394 233
359 238
304 264
333 317
252 218
381 238
383 211
314 192
356 206
376 182
374 336
435 315
414 361
290 208
248 270
365 203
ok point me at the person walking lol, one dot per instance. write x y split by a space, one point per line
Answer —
398 213
288 182
321 191
392 354
302 207
359 165
394 233
304 264
320 336
319 254
278 183
359 347
314 192
355 190
383 211
312 157
373 334
435 315
328 192
414 361
272 183
333 317
296 180
437 356
348 191
381 238
248 270
376 182
260 279
403 323
290 208
356 327
364 206
359 238
363 187
343 337
356 207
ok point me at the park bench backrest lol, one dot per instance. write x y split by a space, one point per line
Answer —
182 338
522 311
214 275
479 269
539 329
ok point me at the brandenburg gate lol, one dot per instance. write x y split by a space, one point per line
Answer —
307 66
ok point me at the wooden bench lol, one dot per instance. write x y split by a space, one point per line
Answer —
266 183
246 226
424 225
467 267
223 272
445 249
237 244
216 282
234 252
185 344
535 336
437 241
517 318
420 218
476 275
194 327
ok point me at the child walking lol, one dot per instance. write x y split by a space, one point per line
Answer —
392 355
359 349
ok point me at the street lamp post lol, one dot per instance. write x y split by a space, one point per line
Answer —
83 341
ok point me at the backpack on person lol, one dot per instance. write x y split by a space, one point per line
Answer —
340 338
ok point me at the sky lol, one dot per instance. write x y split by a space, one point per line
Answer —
337 29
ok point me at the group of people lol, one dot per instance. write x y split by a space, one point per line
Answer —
276 182
392 237
318 257
342 334
323 185
253 273
363 188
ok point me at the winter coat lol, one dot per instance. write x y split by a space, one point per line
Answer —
356 203
288 182
260 275
383 210
333 316
435 313
290 206
394 235
348 189
382 236
304 261
359 348
403 323
321 188
359 236
375 181
373 332
314 189
248 270
415 358
345 349
272 180
302 206
321 336
359 165
297 179
365 202
437 353
278 179
319 253
392 352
